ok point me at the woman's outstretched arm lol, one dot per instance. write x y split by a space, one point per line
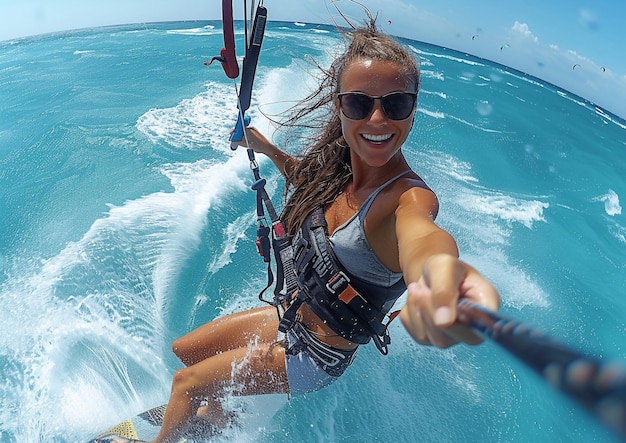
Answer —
436 279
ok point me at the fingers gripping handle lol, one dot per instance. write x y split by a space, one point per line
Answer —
238 133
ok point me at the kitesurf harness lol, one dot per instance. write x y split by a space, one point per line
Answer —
307 269
331 292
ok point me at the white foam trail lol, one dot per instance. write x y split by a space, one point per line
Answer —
472 125
232 232
446 56
452 167
504 207
99 307
203 31
606 117
432 114
195 123
439 94
619 232
102 302
611 202
432 75
483 108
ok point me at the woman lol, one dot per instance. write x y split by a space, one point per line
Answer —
380 218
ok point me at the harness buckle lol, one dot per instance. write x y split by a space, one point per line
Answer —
336 281
382 342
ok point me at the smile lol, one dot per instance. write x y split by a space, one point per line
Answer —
377 138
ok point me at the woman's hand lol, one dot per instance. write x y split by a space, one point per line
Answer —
430 312
257 141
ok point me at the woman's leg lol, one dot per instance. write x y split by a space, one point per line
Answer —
226 333
249 370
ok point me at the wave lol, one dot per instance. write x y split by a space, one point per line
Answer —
472 125
205 119
438 94
607 117
85 334
432 74
611 202
100 307
505 207
203 31
453 58
485 222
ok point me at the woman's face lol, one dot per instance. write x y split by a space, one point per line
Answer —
376 138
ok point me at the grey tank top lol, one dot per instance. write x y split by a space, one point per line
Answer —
354 251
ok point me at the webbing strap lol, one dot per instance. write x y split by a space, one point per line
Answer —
250 61
227 57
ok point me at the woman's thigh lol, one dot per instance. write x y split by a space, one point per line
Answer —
251 370
226 333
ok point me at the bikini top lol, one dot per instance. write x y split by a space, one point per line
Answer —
356 254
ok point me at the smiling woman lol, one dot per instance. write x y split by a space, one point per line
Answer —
126 222
389 97
362 240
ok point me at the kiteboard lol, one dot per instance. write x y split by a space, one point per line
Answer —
145 427
248 415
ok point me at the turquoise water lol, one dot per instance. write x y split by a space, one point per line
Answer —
126 221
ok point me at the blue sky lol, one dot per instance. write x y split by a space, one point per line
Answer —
545 38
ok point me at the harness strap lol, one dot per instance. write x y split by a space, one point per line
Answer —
326 287
332 360
250 61
279 241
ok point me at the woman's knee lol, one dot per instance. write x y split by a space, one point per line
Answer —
180 347
184 381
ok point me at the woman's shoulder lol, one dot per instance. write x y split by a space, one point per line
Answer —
411 181
411 190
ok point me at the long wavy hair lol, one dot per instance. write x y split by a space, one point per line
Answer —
324 170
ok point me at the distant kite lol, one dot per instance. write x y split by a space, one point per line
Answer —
389 21
603 69
575 66
504 46
474 37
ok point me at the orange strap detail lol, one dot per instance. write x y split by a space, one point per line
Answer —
348 294
393 315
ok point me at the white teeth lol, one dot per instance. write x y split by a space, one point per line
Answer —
377 138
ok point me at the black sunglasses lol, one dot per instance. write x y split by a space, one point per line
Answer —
395 105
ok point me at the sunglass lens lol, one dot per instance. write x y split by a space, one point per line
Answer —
398 106
357 106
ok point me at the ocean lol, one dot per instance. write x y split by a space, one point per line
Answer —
127 220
